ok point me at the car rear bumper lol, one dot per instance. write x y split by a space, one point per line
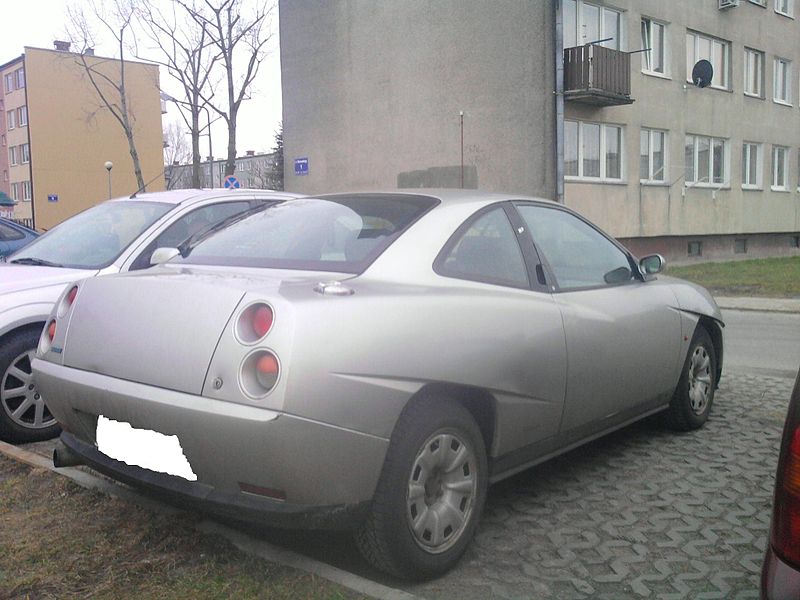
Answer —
241 454
779 580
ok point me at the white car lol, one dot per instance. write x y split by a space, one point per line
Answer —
116 236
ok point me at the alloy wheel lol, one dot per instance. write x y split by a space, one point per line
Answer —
19 397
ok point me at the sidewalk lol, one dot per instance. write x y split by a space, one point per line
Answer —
782 305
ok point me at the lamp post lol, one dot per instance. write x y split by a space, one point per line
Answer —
109 165
166 97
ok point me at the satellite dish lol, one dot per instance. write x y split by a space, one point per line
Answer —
702 73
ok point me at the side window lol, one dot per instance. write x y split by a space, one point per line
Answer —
187 226
578 254
487 251
8 234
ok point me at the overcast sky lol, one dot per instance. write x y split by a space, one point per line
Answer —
38 22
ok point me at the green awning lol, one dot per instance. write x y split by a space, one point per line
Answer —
5 200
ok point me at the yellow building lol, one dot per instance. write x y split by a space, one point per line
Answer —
57 135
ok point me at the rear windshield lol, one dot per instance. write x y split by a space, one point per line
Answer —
342 233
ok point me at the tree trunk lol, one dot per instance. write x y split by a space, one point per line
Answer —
196 184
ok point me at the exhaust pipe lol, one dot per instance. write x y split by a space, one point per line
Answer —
64 457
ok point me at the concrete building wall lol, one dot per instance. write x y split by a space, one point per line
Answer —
635 210
372 93
72 135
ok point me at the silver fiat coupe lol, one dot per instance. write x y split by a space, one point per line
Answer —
374 361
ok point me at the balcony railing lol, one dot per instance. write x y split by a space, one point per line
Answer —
597 75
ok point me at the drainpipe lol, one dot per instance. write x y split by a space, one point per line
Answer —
559 94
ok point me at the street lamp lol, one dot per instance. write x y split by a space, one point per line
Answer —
109 165
167 98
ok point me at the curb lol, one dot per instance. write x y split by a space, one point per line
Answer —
244 542
770 305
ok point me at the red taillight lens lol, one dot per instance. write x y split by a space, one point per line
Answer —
267 365
71 295
262 319
254 323
259 373
786 519
51 330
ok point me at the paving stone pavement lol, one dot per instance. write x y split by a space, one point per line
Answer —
643 513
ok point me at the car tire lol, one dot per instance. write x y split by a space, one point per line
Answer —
692 400
430 494
34 423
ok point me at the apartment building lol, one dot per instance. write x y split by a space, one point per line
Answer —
588 102
253 170
56 136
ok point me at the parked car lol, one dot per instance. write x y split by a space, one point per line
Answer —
780 575
374 361
115 236
14 236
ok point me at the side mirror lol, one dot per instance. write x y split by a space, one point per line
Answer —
650 265
162 255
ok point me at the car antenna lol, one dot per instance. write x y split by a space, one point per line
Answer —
141 189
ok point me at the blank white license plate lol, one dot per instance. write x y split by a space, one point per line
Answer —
143 448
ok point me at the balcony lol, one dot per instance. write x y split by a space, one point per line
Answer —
597 75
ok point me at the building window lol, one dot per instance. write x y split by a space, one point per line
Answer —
22 116
780 167
740 246
706 160
25 153
12 119
759 2
12 155
716 51
782 88
585 23
751 166
753 73
592 151
19 76
26 191
653 37
695 249
784 7
652 155
15 191
9 81
3 140
794 241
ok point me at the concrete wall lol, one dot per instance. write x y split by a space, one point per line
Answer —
633 209
372 93
72 135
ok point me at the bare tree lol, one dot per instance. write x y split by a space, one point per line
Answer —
233 33
184 48
177 151
107 77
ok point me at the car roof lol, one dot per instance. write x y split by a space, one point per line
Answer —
446 196
198 195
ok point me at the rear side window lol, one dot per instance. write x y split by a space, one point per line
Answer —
486 250
8 234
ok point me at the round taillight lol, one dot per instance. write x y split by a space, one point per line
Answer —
67 301
259 373
254 323
71 295
51 331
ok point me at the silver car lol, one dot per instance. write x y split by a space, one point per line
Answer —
115 236
375 361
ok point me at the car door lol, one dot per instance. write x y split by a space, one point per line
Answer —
622 333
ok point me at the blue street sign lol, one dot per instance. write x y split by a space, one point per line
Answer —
232 183
52 197
301 166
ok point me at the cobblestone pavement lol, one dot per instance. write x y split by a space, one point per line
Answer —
643 513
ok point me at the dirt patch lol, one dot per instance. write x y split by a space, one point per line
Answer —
58 540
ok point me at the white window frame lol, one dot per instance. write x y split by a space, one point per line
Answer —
19 78
778 65
603 129
619 45
25 153
26 191
759 2
776 187
22 116
12 156
758 56
788 11
747 156
15 191
665 145
9 82
11 119
649 24
726 45
726 159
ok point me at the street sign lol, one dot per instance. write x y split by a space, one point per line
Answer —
232 183
52 197
301 166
